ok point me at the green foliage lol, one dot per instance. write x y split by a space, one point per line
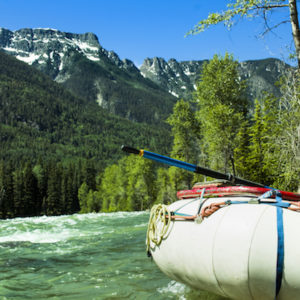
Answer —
185 130
241 9
166 194
53 204
82 197
222 109
258 146
241 152
93 201
128 185
220 84
263 147
6 191
43 189
60 154
238 8
18 192
30 194
41 120
287 139
112 188
256 156
140 189
186 133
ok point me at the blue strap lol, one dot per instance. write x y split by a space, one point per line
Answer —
278 204
268 194
280 245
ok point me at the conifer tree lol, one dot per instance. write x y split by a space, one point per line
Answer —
6 191
82 196
241 152
39 173
90 175
71 193
2 192
257 140
263 153
30 191
19 204
64 192
53 201
186 133
272 128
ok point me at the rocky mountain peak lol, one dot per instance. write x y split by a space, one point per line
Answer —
48 48
33 37
177 77
89 38
130 66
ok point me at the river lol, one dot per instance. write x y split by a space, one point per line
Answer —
88 256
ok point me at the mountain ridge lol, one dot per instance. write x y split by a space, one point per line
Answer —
82 65
180 78
146 94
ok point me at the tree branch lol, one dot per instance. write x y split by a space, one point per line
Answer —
268 7
273 27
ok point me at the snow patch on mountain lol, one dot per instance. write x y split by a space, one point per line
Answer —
30 59
41 44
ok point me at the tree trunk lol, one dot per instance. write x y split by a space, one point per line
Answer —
295 28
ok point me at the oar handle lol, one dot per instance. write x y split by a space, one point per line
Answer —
130 150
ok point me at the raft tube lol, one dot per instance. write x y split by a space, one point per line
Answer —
234 251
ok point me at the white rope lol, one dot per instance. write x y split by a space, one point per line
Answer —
158 224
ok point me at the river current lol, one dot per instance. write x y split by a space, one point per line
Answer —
88 256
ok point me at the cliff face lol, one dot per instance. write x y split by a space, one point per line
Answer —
179 78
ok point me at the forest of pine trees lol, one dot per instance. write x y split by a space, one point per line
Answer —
49 189
218 128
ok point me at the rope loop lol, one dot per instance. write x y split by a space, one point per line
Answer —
159 223
212 208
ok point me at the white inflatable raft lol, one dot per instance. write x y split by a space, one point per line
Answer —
230 241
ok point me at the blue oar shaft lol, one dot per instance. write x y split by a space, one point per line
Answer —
168 160
189 167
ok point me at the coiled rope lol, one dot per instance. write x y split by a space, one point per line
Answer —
159 222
